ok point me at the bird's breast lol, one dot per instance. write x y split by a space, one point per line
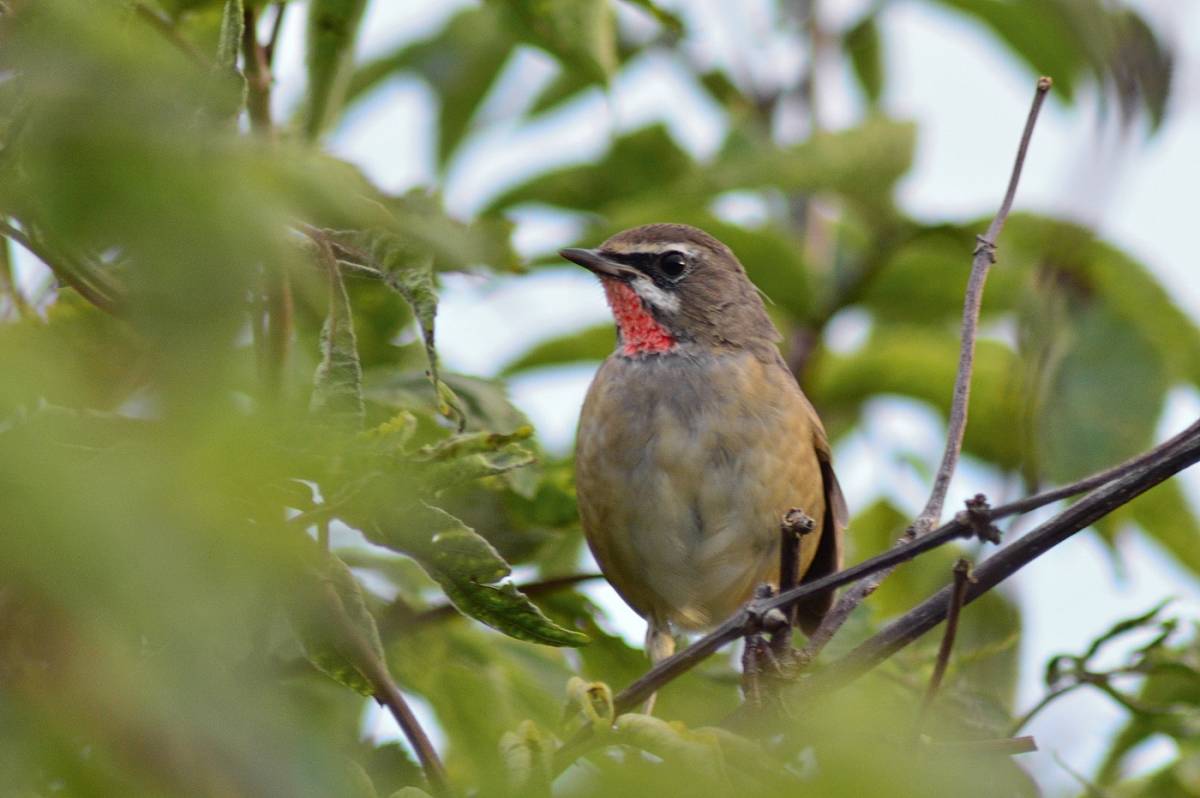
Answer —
685 464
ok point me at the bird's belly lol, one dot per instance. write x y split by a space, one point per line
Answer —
683 480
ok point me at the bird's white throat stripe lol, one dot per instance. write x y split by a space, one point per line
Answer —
660 299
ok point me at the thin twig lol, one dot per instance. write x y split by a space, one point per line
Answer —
388 694
796 523
273 37
1023 721
258 76
984 257
1008 746
90 284
962 576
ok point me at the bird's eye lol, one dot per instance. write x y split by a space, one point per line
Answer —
673 264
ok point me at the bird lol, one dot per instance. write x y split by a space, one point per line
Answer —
695 439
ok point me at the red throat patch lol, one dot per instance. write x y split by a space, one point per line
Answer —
640 333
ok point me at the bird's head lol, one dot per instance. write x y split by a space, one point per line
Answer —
673 284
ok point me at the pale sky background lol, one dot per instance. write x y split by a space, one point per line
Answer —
969 98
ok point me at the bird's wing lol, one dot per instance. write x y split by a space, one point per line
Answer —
828 559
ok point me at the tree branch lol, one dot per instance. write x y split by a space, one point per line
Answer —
984 257
962 577
1183 451
258 76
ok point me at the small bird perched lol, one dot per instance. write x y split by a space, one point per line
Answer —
695 439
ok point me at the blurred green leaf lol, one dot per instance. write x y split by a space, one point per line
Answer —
865 50
332 28
580 33
333 581
1100 390
618 176
590 344
862 163
460 64
1165 515
921 364
529 756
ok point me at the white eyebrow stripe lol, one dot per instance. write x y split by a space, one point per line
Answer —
663 300
653 247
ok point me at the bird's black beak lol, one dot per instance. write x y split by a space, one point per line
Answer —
595 262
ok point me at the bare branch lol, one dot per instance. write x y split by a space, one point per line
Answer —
796 523
962 576
1007 561
984 257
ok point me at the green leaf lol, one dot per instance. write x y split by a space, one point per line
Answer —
921 364
1100 272
1101 387
590 344
321 644
580 33
861 163
470 571
231 35
864 47
332 28
473 443
419 218
617 177
460 64
409 272
337 385
1165 515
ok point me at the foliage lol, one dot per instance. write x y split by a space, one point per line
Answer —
228 449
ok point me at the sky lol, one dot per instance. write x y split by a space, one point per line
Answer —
969 98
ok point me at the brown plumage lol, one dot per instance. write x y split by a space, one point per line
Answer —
695 439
